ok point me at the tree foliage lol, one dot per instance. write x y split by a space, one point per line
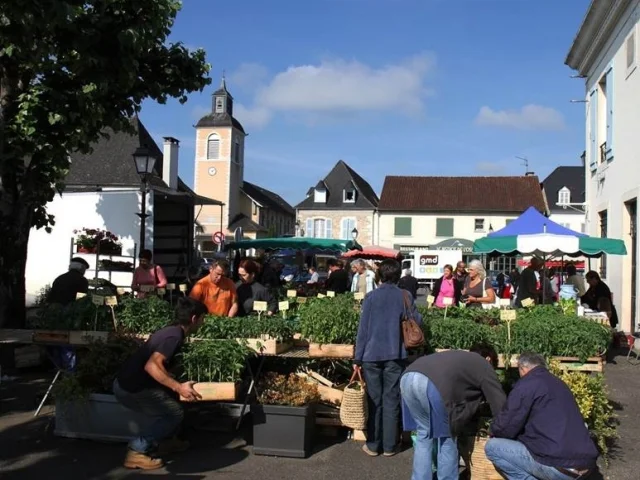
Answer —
68 70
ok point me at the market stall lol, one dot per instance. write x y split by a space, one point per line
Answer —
373 252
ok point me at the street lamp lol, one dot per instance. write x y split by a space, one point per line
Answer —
145 162
354 234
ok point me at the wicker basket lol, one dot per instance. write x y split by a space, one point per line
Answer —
480 467
353 409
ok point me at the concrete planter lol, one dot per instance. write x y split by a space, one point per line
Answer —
100 418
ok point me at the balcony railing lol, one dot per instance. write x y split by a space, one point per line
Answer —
603 152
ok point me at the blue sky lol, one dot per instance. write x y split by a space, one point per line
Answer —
392 87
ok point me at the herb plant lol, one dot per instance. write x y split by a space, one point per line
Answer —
290 390
213 360
78 315
247 327
330 320
143 315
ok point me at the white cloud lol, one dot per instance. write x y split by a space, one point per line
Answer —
248 76
252 117
529 117
338 87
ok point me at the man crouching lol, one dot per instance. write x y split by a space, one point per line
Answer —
145 386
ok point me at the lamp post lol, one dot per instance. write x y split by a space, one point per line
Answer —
354 234
145 162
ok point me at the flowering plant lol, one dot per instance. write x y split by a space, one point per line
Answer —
90 238
288 390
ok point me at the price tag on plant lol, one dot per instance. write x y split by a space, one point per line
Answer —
358 296
430 299
446 301
283 306
147 288
320 295
120 291
161 291
183 287
302 299
97 300
505 302
292 293
111 301
508 315
527 302
260 306
80 295
171 286
331 294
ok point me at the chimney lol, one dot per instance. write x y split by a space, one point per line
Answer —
170 162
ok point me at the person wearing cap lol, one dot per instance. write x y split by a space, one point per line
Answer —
66 287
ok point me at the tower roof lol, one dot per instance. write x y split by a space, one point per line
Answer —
222 117
222 90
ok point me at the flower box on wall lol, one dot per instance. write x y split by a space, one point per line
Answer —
100 417
283 431
317 350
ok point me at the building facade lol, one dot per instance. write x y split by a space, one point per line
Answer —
338 204
605 53
452 212
219 174
564 190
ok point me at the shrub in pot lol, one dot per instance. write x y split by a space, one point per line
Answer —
284 421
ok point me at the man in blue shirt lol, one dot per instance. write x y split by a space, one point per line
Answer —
540 432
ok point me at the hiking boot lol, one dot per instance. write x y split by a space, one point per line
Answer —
142 461
172 445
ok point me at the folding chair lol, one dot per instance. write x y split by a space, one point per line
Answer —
64 359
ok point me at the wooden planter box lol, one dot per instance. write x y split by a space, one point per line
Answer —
283 431
298 341
331 350
85 337
331 395
101 417
217 391
268 346
51 336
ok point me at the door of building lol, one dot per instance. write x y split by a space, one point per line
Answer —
632 209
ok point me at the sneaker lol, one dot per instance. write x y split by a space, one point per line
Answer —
142 461
369 452
395 451
172 445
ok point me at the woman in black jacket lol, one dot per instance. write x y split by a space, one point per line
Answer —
446 286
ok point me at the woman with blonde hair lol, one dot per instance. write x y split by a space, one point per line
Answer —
477 290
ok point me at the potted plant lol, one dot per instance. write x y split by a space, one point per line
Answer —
268 335
216 366
143 316
92 240
284 421
331 326
85 405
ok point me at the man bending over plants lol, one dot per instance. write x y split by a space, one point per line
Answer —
144 385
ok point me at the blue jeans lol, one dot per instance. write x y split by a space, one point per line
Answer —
383 398
156 403
514 462
414 393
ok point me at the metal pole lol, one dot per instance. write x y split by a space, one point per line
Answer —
143 213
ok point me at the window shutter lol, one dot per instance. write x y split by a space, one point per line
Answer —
344 226
593 136
402 226
309 232
444 227
609 83
328 226
213 148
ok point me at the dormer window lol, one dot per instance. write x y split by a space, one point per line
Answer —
349 195
320 195
564 196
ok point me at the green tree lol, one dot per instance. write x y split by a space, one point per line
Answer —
68 70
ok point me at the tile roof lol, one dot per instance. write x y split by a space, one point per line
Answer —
248 225
462 194
340 177
267 198
571 177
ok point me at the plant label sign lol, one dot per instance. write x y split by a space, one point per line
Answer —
111 301
170 286
447 301
302 299
321 295
260 306
359 296
147 288
292 293
508 315
161 291
120 291
80 295
183 287
331 294
527 302
505 302
283 306
97 300
430 299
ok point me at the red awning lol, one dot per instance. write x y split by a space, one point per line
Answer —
554 264
373 252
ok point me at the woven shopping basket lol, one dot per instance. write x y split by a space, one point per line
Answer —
480 467
353 409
